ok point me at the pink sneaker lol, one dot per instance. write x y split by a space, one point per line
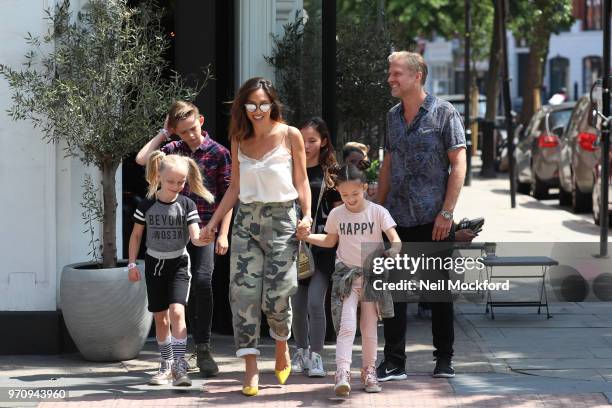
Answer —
369 380
343 383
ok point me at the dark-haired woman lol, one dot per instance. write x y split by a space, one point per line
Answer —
308 303
268 175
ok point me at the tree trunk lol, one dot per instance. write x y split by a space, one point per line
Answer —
109 220
493 82
538 49
474 108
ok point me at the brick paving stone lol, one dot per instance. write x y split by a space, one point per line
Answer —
416 392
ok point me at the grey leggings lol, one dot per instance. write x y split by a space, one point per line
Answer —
308 306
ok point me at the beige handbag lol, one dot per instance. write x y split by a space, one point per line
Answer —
306 264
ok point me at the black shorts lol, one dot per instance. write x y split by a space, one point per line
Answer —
168 281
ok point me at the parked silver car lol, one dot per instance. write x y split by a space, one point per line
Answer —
578 157
597 192
537 151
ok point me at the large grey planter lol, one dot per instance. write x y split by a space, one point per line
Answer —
105 313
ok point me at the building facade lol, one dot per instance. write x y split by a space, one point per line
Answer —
42 225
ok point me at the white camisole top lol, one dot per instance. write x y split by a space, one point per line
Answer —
269 179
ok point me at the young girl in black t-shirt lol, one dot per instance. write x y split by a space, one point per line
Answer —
308 304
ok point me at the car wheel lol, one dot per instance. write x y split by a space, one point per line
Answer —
565 198
523 188
538 188
581 202
597 219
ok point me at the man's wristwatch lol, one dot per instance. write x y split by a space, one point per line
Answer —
446 214
131 265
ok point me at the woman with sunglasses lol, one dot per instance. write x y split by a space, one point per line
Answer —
268 175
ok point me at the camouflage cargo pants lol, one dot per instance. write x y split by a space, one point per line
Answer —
263 272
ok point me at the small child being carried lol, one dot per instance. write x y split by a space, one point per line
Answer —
170 220
357 222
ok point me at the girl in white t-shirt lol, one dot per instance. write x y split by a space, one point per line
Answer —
357 222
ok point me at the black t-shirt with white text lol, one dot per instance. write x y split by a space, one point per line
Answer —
167 224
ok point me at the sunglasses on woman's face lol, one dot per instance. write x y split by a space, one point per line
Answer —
263 107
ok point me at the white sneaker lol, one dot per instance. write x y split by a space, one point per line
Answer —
342 388
316 366
163 375
179 373
192 362
300 362
369 380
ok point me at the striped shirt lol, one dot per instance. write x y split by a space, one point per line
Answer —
167 224
215 163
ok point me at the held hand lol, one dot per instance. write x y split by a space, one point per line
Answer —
222 245
303 233
303 228
133 275
305 222
441 228
207 235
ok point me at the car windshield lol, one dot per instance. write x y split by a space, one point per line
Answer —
559 118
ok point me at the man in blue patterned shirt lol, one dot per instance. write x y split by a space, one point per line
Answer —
420 181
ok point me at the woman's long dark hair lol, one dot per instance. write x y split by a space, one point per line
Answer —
327 155
240 125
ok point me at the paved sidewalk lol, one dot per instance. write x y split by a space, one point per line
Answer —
520 359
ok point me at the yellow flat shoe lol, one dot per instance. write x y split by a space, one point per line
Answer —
250 391
282 375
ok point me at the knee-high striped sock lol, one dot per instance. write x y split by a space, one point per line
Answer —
165 349
178 347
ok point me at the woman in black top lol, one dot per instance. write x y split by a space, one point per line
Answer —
308 304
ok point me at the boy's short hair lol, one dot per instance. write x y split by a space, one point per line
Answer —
413 61
181 110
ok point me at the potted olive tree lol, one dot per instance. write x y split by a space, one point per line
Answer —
98 83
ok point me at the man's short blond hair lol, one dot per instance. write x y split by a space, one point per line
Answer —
181 110
413 60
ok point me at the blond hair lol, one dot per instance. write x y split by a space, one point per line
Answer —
413 61
181 110
352 146
159 161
